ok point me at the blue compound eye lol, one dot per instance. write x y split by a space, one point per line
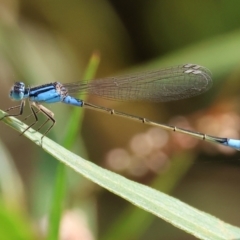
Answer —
17 91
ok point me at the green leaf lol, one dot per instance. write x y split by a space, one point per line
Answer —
179 214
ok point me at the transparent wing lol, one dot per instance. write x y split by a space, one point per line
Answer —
168 84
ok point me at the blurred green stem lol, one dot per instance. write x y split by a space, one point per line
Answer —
72 132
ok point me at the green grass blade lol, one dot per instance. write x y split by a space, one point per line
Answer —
179 214
72 131
165 182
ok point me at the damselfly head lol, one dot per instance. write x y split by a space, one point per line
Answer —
17 91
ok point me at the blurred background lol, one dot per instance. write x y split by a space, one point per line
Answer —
46 41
